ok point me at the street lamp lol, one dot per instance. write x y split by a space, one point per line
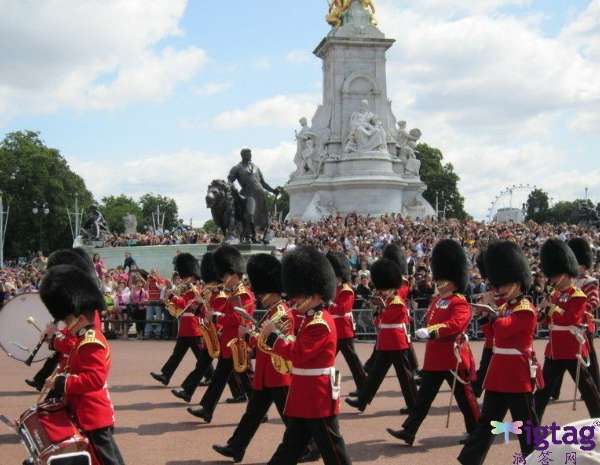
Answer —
43 210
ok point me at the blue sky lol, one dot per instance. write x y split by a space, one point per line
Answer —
160 97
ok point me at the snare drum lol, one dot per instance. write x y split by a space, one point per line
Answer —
50 436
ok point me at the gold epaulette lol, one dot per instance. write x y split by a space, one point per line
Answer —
90 338
397 300
461 296
524 305
578 293
502 309
318 320
346 287
241 290
222 295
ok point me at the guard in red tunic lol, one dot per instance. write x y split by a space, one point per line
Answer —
230 268
313 402
73 297
341 312
589 285
393 339
513 328
188 331
565 314
447 320
271 375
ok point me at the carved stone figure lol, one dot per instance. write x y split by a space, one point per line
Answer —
405 149
253 185
309 150
366 131
130 223
94 228
336 10
227 208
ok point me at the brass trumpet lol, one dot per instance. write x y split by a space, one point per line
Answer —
284 325
208 328
180 290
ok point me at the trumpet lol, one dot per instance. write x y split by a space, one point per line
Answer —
180 290
284 325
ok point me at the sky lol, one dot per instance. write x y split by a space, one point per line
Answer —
160 95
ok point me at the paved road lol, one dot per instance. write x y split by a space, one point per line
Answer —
153 427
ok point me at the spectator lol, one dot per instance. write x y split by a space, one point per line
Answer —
155 286
129 264
137 305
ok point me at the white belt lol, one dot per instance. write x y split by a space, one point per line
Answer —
506 351
393 326
347 315
313 371
571 329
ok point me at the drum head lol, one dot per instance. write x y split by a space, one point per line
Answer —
18 338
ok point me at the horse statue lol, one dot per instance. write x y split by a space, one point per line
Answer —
227 208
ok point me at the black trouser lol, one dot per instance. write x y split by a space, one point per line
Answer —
47 369
217 384
430 385
368 366
495 406
346 346
413 361
381 365
104 446
594 370
181 347
553 372
299 431
203 369
486 357
257 408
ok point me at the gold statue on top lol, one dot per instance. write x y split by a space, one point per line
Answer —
337 8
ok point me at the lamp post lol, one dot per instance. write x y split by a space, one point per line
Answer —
75 217
3 221
43 210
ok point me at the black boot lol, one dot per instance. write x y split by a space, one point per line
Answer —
181 394
357 404
403 435
200 413
227 451
160 378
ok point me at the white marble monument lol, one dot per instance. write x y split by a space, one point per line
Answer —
353 157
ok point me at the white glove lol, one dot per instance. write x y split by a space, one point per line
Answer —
422 333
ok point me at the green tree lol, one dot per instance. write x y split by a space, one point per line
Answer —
151 202
283 204
568 211
31 172
538 205
211 227
441 180
114 208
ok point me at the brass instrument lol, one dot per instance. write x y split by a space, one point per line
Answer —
239 347
208 328
284 325
179 290
545 305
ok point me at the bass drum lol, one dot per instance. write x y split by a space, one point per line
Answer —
18 338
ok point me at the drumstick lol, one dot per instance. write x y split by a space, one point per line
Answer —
32 322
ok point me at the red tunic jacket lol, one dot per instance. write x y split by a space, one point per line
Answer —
589 286
513 333
85 385
563 344
313 348
447 318
230 321
265 375
189 322
393 326
341 312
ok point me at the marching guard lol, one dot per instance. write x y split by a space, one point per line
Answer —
447 354
392 345
341 312
229 265
513 328
565 312
73 297
312 405
272 373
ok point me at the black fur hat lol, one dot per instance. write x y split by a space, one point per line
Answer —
507 264
306 271
582 250
187 266
386 274
76 257
208 272
394 253
449 263
228 259
65 290
557 258
340 265
264 273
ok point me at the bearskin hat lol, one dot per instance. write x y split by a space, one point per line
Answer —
394 253
187 266
76 257
506 264
449 263
386 274
306 271
228 259
557 258
340 265
65 290
582 250
208 272
264 273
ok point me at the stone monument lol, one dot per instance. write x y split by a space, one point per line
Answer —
130 224
353 157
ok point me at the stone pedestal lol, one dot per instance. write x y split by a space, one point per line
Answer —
350 179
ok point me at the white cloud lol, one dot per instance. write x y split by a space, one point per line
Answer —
281 111
173 174
212 88
298 57
96 55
